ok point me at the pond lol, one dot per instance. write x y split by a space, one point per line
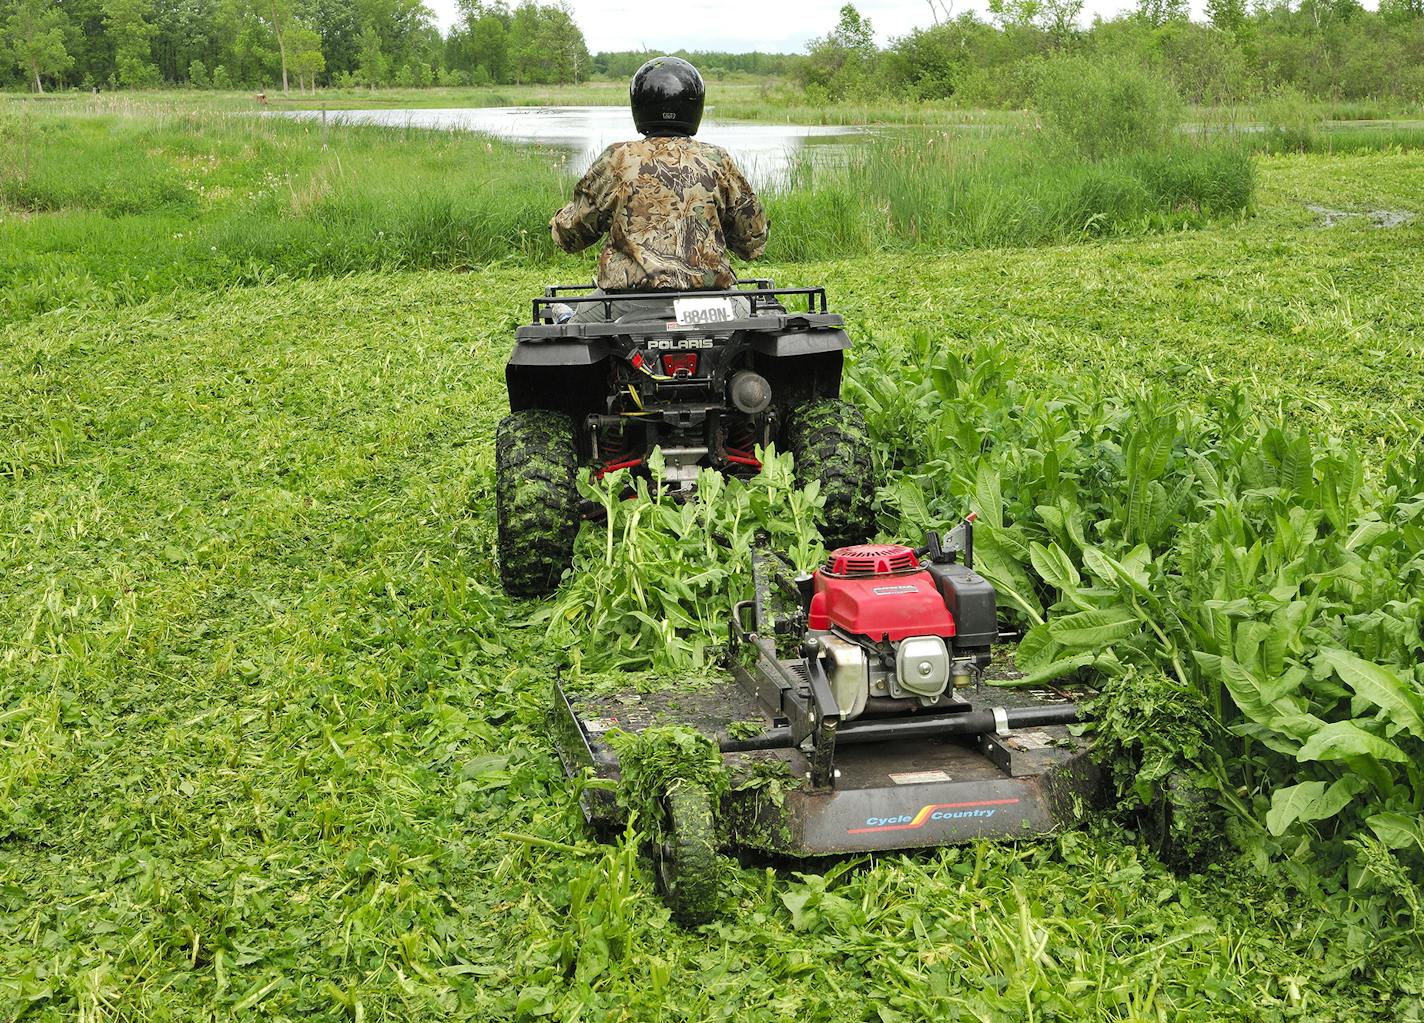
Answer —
763 151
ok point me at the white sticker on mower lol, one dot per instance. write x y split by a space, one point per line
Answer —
918 777
702 312
886 591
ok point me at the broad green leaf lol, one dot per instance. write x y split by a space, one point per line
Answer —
1338 796
1036 649
1365 534
1398 830
1136 564
1054 566
1296 802
1380 686
1094 628
1341 740
1114 573
1311 801
1049 672
988 495
1273 650
1007 539
1210 479
1264 702
910 499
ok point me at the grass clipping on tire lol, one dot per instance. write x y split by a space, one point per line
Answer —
650 761
654 585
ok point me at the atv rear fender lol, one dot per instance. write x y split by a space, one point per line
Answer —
567 376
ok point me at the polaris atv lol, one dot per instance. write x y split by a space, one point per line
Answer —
705 376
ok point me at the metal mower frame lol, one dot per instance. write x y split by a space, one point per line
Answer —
999 763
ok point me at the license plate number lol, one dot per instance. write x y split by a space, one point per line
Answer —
702 312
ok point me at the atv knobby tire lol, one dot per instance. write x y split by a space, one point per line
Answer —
687 855
832 444
536 500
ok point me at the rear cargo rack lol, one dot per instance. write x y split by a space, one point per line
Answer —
760 292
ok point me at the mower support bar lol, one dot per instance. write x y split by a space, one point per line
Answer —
971 723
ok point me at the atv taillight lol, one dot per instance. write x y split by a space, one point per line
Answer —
681 364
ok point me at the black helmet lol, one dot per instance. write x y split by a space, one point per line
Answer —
667 96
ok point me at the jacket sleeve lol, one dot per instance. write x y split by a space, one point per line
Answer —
584 220
744 221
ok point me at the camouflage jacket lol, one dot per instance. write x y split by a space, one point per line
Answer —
671 207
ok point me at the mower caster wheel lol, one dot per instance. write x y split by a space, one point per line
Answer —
687 855
536 500
831 444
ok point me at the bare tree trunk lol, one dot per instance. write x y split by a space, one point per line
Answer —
281 47
39 86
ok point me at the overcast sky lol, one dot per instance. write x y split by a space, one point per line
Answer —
739 25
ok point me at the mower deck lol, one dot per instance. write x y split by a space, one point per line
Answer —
896 793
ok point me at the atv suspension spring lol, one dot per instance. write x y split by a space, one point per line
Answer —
614 450
741 444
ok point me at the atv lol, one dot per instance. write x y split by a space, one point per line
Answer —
705 376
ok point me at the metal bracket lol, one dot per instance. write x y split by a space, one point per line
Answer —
826 714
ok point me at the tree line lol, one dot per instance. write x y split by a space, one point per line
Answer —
291 44
1322 48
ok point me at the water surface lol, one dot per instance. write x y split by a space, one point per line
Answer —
764 151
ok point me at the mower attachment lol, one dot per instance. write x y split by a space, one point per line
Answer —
926 767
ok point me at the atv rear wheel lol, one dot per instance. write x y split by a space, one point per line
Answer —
687 855
832 444
536 500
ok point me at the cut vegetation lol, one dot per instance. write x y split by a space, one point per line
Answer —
273 742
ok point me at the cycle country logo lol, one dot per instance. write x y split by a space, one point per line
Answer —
933 812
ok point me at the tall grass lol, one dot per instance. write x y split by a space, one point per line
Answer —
1104 153
121 200
113 207
939 192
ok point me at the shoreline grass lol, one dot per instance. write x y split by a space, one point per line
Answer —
124 200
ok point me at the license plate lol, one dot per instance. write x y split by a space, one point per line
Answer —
702 312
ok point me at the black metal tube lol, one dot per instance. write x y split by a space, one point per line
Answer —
973 722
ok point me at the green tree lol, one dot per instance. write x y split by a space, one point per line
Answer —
1401 11
198 75
86 39
371 64
563 41
1058 18
305 57
841 62
1227 15
36 34
339 24
131 33
1160 12
525 60
278 16
1015 13
854 32
488 41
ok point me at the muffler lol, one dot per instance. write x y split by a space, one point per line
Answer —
750 392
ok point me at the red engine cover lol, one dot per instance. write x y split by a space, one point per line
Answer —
881 593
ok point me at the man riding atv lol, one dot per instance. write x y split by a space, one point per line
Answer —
671 206
672 354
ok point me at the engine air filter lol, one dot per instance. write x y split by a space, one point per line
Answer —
871 559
